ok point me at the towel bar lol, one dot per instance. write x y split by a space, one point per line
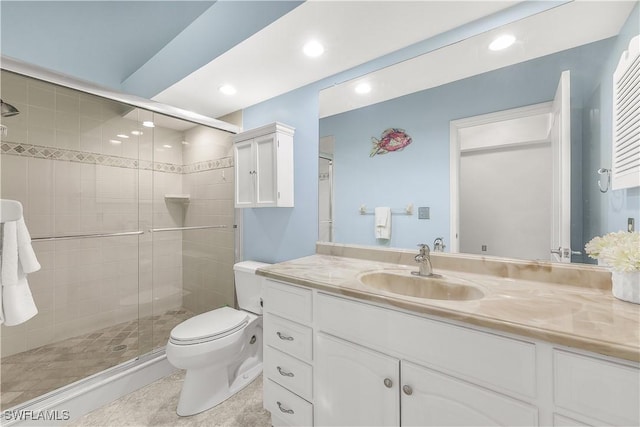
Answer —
408 210
197 227
86 236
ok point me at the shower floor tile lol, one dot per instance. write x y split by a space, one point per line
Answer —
35 372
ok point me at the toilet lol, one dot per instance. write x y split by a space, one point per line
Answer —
221 350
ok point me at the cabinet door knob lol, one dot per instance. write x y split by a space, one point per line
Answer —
407 390
283 372
282 409
284 337
388 383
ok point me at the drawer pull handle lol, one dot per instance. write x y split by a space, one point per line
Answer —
388 383
284 337
284 373
286 411
407 390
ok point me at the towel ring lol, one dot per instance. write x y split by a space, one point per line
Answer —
604 171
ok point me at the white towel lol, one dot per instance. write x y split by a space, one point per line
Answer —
383 223
9 264
16 301
26 255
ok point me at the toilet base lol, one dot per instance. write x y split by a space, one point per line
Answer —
205 388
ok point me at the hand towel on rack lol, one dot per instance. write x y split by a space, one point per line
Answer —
383 223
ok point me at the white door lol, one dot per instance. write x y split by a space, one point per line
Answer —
430 398
560 136
265 148
354 386
244 166
530 146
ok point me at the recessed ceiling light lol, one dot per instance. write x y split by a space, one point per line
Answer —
502 42
166 146
136 132
148 124
185 143
123 136
313 49
115 141
227 89
363 88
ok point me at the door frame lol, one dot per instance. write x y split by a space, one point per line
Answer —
455 139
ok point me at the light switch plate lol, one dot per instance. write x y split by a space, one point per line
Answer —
423 213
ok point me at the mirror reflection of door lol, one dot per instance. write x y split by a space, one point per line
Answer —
325 189
514 165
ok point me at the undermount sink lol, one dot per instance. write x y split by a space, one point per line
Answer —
430 287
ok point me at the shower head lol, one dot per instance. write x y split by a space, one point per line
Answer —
8 110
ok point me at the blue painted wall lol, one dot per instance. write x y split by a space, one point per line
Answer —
279 234
611 209
420 173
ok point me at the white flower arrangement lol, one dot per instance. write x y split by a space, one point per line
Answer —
619 250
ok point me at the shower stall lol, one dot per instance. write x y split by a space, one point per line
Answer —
130 207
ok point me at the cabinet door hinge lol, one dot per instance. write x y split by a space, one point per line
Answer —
278 142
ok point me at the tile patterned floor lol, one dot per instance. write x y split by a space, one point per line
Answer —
155 405
35 372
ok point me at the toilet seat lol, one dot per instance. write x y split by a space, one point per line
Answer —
209 326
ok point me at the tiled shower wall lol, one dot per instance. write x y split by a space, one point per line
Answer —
59 160
208 255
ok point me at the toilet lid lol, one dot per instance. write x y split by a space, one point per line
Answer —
209 326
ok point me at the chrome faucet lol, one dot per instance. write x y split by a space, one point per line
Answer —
438 244
424 260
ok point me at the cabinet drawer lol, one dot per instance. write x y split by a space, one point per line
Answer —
289 337
288 371
604 390
505 364
290 302
286 406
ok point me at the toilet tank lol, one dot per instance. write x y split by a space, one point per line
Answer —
249 285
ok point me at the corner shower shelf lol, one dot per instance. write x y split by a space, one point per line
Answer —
177 198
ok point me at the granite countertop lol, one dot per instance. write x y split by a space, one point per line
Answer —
586 318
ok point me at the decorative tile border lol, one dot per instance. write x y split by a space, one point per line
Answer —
224 162
42 152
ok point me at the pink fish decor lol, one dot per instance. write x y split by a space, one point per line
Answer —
392 139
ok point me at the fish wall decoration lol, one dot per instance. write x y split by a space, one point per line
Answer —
392 139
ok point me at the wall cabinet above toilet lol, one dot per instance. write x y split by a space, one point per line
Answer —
264 167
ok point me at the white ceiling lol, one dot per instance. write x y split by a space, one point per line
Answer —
565 27
271 62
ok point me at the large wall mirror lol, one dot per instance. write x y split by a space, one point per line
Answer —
505 144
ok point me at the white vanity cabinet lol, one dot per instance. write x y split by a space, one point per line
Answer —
383 384
357 363
288 354
264 167
355 386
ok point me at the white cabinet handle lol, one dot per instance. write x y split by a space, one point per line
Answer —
284 337
283 372
286 411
